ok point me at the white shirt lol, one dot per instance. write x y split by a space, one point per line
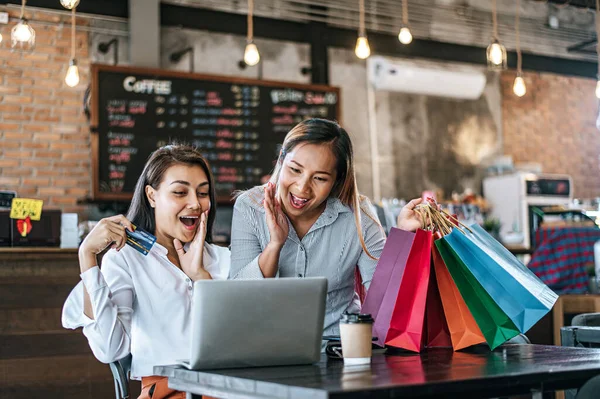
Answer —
141 304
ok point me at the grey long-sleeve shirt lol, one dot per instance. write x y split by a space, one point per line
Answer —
331 249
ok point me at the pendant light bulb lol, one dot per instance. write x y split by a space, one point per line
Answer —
0 37
22 32
598 89
496 56
495 51
362 50
72 76
69 4
251 55
405 36
519 87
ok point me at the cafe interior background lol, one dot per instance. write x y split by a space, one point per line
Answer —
429 116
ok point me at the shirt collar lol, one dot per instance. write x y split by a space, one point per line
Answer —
159 249
332 210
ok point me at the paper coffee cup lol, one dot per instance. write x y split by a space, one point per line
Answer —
356 331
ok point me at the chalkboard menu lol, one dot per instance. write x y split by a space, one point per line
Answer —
237 124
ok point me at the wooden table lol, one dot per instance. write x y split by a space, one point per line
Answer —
478 372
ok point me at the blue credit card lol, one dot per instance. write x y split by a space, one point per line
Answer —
140 240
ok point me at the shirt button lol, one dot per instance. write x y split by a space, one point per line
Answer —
187 280
190 288
302 249
299 274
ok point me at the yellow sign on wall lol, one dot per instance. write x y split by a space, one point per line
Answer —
23 207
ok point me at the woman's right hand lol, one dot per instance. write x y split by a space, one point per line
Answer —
276 220
108 231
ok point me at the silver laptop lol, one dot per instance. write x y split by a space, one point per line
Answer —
249 323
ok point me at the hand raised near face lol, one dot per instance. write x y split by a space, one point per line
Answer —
276 220
192 261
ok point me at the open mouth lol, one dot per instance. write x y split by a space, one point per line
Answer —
190 222
297 202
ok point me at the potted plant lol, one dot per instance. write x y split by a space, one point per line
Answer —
492 226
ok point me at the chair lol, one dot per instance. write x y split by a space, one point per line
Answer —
583 333
520 339
590 389
586 320
120 370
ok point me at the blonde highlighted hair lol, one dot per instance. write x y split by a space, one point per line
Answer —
326 132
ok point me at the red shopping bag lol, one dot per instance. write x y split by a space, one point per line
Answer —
406 326
438 334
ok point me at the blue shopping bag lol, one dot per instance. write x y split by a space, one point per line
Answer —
518 270
516 290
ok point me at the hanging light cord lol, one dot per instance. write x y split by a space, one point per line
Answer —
495 19
405 12
361 17
250 24
23 8
73 33
518 43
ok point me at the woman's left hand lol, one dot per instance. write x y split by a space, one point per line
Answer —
192 261
409 219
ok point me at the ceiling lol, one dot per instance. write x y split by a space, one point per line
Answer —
547 27
467 22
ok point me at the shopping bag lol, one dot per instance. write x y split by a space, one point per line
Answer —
406 326
437 333
383 290
495 325
528 280
463 329
520 295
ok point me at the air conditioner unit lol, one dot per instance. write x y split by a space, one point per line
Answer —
409 77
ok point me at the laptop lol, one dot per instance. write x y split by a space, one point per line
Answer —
253 323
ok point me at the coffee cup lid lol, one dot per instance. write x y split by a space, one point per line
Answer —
356 318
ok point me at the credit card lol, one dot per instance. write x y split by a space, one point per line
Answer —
140 240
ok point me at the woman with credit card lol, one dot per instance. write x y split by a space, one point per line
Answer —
139 303
310 219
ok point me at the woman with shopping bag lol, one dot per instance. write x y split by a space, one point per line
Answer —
310 220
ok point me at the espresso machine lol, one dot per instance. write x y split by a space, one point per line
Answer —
517 198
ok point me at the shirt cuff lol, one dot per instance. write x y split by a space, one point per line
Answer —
72 314
93 279
251 271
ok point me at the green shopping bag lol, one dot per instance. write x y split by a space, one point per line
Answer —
496 326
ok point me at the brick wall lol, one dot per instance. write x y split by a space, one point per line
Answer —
554 124
44 135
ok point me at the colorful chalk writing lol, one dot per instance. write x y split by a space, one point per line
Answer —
237 125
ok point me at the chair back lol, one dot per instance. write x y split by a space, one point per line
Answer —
586 320
520 339
120 370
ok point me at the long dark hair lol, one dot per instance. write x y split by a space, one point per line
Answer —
326 132
140 212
